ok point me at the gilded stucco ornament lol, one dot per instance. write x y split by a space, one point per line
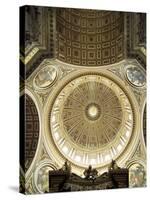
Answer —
96 102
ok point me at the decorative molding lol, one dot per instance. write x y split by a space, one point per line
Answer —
136 37
48 140
89 38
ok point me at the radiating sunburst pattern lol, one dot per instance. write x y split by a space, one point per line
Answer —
91 120
92 114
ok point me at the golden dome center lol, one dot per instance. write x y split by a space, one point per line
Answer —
93 111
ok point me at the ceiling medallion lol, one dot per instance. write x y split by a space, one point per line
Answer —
45 77
41 178
91 120
135 75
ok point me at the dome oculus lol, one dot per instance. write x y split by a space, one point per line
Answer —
91 120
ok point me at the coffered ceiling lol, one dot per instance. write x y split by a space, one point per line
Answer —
80 37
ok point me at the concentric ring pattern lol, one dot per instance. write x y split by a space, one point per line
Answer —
91 120
92 114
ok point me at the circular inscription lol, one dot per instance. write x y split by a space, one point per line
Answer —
91 120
